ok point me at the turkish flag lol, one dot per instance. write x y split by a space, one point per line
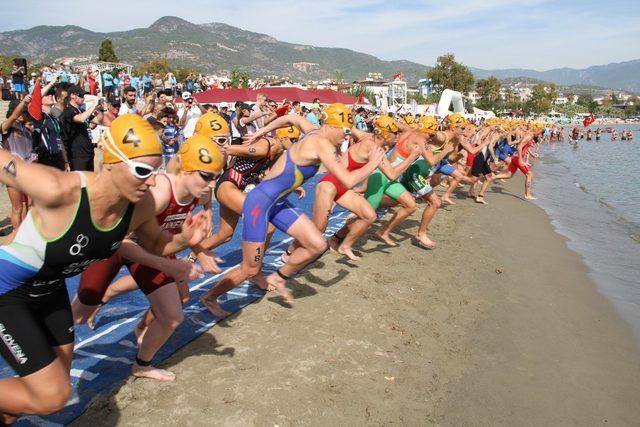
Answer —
281 111
588 120
398 76
360 99
35 106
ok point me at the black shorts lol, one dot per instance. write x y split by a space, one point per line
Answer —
480 165
29 329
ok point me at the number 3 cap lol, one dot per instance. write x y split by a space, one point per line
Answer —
288 132
212 124
199 153
128 137
337 116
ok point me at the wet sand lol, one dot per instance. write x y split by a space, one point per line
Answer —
499 325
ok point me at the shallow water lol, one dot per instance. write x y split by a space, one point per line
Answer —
591 192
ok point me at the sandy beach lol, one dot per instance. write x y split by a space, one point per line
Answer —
500 325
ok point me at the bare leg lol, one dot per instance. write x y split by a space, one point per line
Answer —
427 215
408 207
528 180
366 216
167 308
41 393
252 256
312 246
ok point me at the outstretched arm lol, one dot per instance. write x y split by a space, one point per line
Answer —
326 153
44 185
301 123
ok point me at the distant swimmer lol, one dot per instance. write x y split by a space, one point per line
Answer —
589 135
598 133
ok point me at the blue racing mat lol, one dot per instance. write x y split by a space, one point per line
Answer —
103 357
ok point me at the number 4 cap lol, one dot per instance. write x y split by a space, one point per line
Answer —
128 137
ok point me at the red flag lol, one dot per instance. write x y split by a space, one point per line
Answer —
588 120
360 99
35 106
281 111
398 76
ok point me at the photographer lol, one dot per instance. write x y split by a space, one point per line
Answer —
75 126
189 114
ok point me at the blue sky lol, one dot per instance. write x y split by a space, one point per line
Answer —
537 34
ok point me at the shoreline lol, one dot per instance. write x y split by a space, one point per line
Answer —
439 338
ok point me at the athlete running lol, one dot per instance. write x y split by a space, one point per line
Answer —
76 219
268 201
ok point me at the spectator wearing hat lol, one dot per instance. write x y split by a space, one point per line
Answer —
75 126
223 108
189 114
112 111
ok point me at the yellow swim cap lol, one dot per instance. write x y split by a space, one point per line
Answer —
385 126
212 124
455 120
338 116
128 137
288 132
428 124
198 153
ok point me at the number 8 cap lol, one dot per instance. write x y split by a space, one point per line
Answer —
198 153
128 137
337 116
212 124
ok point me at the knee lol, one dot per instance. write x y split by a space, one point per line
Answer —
370 216
171 320
411 207
251 270
47 400
318 246
436 203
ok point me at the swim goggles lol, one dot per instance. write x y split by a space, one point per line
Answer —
139 170
220 140
208 176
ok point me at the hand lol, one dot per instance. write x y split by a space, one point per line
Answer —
27 99
209 262
301 193
195 228
182 271
67 167
415 152
250 139
376 154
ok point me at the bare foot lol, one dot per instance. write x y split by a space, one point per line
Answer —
426 242
152 372
349 253
214 308
334 242
260 281
279 283
530 198
91 320
386 238
448 201
480 199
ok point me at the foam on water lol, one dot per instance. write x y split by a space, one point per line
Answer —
591 194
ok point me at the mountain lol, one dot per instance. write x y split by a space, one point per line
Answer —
217 47
212 47
617 75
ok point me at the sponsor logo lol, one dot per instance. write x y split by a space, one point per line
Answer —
81 242
13 347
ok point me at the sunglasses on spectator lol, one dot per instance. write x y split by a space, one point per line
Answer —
208 176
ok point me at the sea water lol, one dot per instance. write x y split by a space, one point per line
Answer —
591 191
